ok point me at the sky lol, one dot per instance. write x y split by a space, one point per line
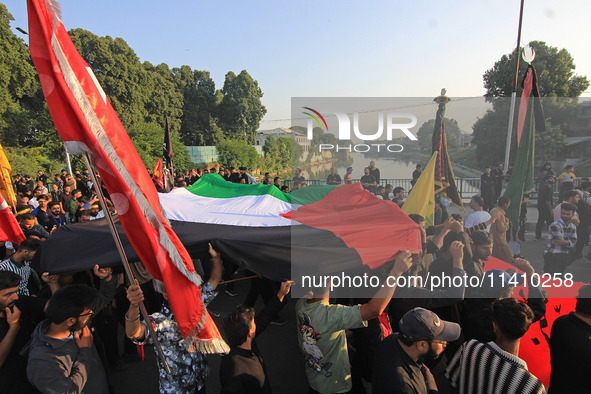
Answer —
334 48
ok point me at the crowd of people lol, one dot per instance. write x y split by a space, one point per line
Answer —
573 196
59 333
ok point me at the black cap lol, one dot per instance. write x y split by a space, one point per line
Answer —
420 324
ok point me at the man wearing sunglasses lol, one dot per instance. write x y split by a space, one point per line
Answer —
62 358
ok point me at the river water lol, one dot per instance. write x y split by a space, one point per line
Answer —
390 168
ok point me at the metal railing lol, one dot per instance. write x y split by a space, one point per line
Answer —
467 187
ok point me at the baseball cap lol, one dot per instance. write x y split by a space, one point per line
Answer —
420 324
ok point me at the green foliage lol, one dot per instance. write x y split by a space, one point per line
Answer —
148 139
240 109
138 92
19 88
549 142
452 133
554 67
198 124
142 94
30 160
278 153
559 87
464 156
237 153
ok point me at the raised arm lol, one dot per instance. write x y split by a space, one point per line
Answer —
216 269
374 307
133 328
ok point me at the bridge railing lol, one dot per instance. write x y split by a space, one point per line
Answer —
467 187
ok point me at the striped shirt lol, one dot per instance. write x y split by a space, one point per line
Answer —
23 270
559 229
485 368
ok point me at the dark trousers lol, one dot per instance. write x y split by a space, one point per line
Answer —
556 262
544 217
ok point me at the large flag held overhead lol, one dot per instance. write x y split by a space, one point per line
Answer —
530 119
87 123
421 199
6 187
257 226
445 183
9 228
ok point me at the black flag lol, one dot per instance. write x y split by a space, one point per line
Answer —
167 169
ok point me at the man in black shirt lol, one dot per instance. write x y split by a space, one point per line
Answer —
41 177
398 365
368 181
374 171
416 174
333 178
243 370
55 218
499 177
298 179
18 317
570 348
42 214
487 189
398 193
545 212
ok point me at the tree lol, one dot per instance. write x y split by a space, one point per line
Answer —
272 154
559 87
237 153
555 69
138 92
148 139
452 133
19 88
290 152
240 109
198 124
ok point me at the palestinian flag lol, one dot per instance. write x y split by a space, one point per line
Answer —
330 230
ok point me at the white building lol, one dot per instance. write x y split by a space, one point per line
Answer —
300 138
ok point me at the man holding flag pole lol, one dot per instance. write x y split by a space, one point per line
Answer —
88 125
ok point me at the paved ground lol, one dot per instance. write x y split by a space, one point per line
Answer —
279 344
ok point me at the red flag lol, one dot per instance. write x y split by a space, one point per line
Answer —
9 229
87 123
157 174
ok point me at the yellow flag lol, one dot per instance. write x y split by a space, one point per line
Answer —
421 199
6 180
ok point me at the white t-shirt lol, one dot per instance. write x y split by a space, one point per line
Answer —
477 217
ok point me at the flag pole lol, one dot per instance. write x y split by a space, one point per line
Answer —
68 162
514 91
126 266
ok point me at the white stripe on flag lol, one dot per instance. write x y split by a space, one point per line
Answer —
254 211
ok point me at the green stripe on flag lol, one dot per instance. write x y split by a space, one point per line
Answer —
213 185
